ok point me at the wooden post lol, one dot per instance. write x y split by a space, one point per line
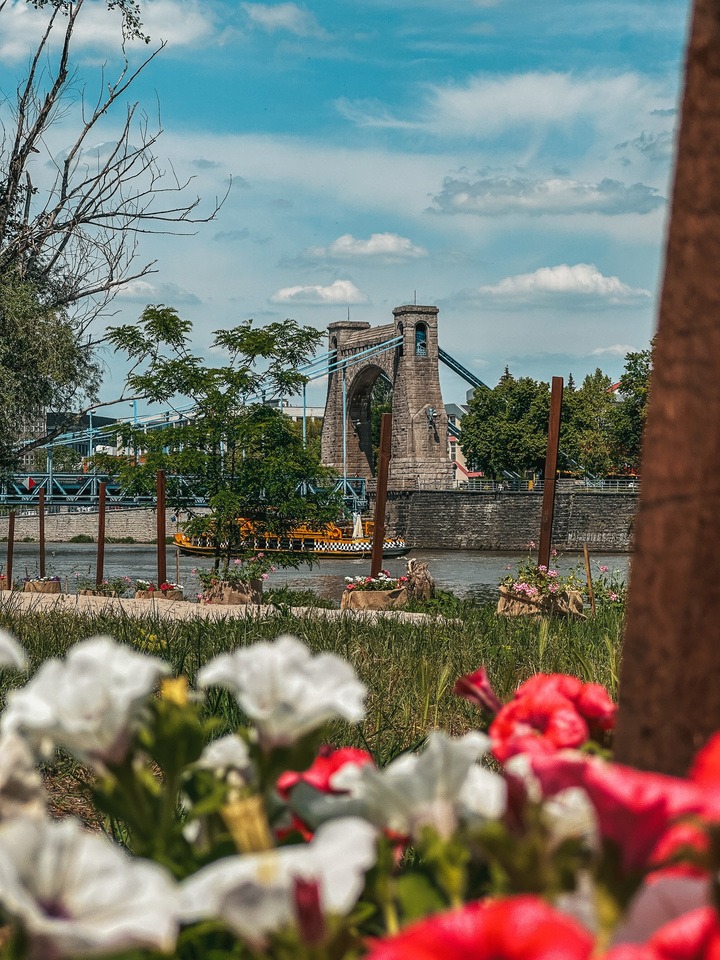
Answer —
10 549
381 494
161 546
669 691
41 514
551 458
588 577
101 535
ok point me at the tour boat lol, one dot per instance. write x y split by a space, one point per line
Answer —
326 543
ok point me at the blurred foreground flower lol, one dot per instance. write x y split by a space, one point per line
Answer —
89 704
76 894
255 894
12 655
285 690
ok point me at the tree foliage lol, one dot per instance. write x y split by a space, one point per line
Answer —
244 457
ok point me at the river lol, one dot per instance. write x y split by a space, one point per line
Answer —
468 573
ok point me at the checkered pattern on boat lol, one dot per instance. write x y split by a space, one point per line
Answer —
357 546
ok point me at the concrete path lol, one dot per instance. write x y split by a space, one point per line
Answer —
180 610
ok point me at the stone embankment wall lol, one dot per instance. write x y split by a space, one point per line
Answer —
460 520
430 520
119 524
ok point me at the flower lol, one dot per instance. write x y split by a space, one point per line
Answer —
437 788
319 776
22 792
254 894
89 704
516 928
285 690
657 903
12 655
692 936
224 755
476 688
76 894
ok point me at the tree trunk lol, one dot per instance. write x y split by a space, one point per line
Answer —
670 691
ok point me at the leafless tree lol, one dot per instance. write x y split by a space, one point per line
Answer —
77 236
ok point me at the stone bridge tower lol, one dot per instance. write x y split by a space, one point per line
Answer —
419 436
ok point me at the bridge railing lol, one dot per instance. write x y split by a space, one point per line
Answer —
481 485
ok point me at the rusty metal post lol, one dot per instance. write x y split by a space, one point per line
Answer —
10 549
41 516
551 458
381 494
588 577
101 535
161 533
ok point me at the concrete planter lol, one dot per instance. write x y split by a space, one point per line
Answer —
374 599
170 594
147 594
228 593
569 603
41 586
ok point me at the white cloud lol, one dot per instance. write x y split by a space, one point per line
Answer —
284 16
616 350
145 291
503 195
340 292
178 22
386 247
486 106
581 281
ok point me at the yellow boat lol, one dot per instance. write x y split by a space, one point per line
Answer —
328 543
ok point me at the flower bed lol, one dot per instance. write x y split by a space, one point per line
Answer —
288 850
374 593
42 585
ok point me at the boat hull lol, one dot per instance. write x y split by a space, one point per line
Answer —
316 549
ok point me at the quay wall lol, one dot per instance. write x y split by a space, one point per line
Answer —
429 519
462 520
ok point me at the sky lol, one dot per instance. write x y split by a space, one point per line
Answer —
509 161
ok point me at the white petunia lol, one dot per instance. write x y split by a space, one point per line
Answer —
22 791
285 690
12 655
225 755
89 704
439 787
76 894
254 894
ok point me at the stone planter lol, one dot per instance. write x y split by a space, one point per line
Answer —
374 599
41 586
569 603
96 593
170 594
236 593
3 582
148 594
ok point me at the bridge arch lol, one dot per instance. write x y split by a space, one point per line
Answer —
406 353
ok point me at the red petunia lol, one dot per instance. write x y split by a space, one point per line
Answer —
326 764
476 688
692 936
516 928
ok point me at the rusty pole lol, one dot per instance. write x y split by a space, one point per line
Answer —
551 458
41 515
161 534
101 534
381 494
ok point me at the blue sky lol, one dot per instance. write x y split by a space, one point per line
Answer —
507 160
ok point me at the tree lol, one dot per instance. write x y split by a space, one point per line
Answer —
243 456
631 411
505 430
65 460
587 426
73 239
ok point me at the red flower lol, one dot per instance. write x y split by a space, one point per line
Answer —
549 712
635 809
476 688
327 763
517 928
693 936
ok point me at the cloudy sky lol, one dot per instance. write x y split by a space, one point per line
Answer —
507 160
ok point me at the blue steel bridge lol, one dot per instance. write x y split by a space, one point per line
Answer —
78 490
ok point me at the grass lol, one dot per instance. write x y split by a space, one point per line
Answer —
409 668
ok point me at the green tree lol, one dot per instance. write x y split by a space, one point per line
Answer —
505 429
586 436
244 457
631 410
65 459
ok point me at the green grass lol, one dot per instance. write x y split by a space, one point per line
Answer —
409 668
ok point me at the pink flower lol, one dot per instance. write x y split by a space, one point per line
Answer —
264 576
553 588
693 936
324 767
542 568
477 689
515 928
604 569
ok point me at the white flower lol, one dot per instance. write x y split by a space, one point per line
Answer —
12 654
437 788
225 754
88 704
285 690
22 791
254 894
76 894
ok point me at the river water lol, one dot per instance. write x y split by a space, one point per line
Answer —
468 573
